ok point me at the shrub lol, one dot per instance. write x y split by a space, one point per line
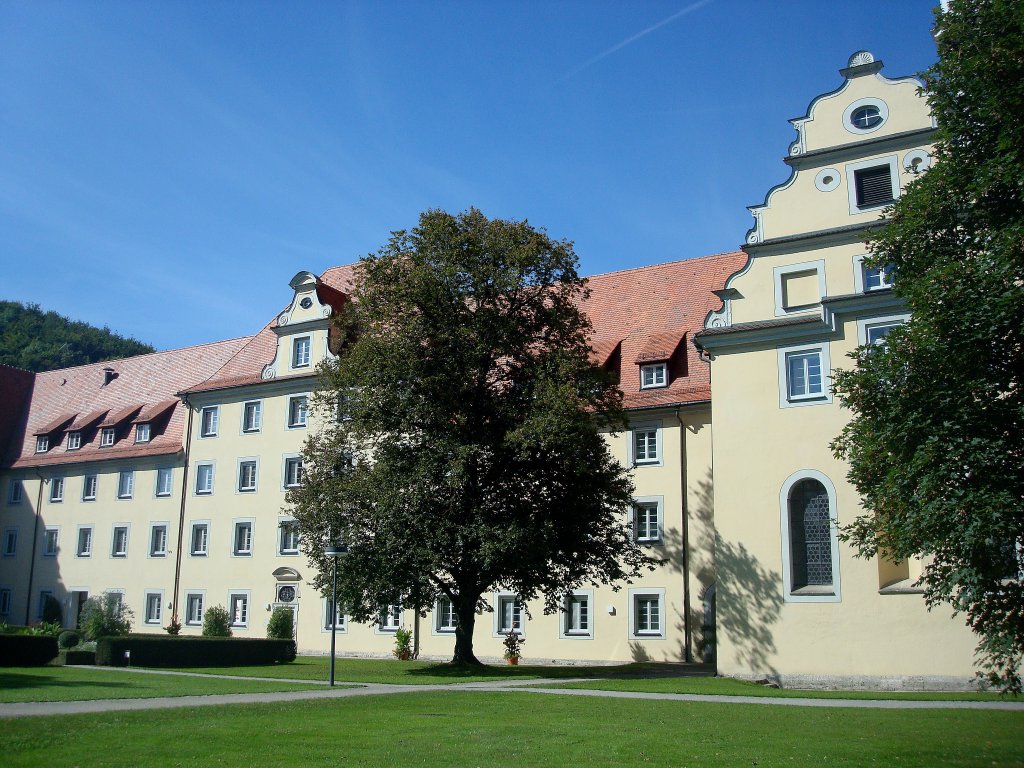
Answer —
27 650
53 611
174 628
513 645
216 622
78 656
190 651
45 628
282 624
106 616
403 644
69 638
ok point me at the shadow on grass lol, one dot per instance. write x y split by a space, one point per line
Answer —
10 681
639 670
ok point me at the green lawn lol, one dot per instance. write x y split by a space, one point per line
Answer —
724 686
461 728
413 672
71 684
645 676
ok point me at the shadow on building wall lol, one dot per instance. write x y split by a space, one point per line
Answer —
739 599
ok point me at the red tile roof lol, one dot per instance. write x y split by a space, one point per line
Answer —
653 308
151 379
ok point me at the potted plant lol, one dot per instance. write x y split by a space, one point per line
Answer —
403 644
513 643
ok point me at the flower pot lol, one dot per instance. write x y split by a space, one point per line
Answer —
513 661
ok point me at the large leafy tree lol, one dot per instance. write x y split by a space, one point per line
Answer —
936 445
467 453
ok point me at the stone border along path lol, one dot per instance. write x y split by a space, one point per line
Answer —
42 708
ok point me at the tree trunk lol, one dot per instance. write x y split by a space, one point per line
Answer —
466 621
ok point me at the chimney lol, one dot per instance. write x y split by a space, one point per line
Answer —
109 374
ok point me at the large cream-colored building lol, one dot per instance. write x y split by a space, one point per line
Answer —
163 477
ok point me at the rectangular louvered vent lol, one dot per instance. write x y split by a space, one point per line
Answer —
874 186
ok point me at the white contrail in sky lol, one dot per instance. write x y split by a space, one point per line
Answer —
634 38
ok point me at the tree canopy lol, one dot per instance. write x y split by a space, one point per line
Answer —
467 454
936 445
44 341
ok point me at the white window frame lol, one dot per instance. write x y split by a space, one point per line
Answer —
6 600
302 344
95 478
871 101
788 401
851 181
56 490
189 604
289 423
566 629
204 489
341 619
162 472
658 374
81 551
42 601
205 526
209 421
114 551
149 602
10 545
233 596
816 594
865 325
256 407
658 460
500 600
42 443
51 541
126 484
779 275
860 276
143 432
74 440
439 626
390 617
243 464
288 460
153 550
658 502
237 525
15 491
644 593
284 523
108 436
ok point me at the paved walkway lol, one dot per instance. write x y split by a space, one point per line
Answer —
536 686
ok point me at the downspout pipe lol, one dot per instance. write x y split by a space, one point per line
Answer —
687 632
181 512
35 539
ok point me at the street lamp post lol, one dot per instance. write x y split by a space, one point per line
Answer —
334 551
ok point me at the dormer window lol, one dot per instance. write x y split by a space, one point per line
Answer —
106 437
42 444
142 433
652 376
300 352
74 441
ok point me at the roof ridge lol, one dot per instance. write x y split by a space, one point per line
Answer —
144 354
666 263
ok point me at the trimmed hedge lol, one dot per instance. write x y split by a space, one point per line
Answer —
27 650
191 651
72 656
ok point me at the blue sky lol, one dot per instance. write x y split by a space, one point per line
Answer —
165 168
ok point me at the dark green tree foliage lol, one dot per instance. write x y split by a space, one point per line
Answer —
936 445
469 454
44 341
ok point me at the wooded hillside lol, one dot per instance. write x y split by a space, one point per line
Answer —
36 340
